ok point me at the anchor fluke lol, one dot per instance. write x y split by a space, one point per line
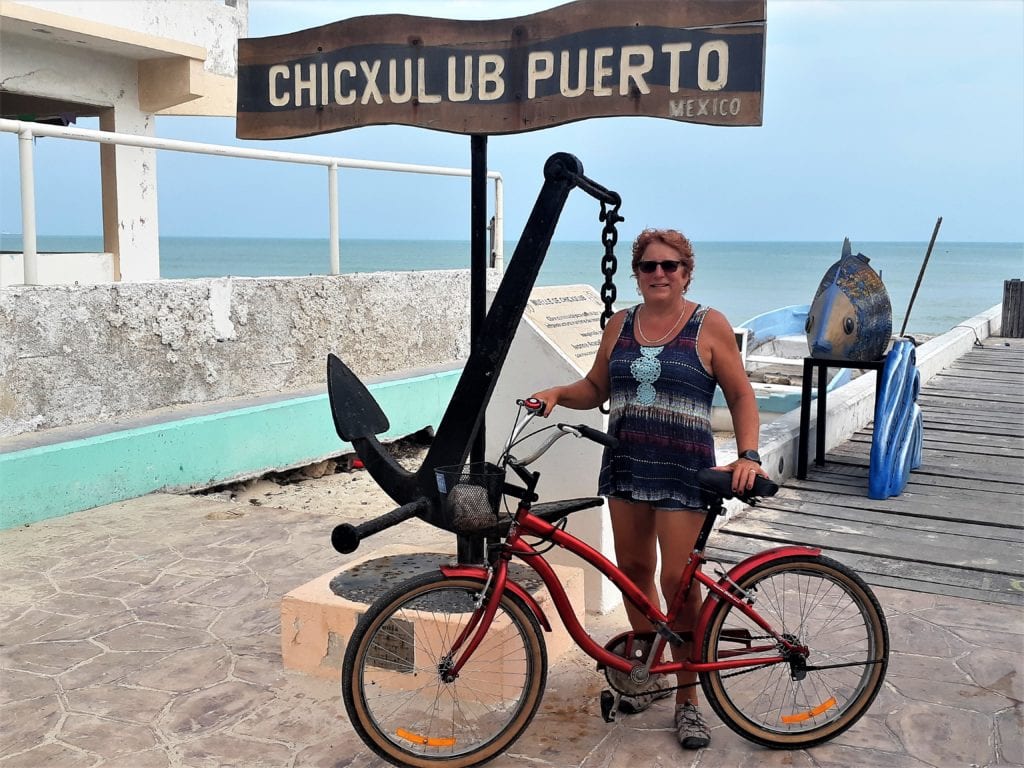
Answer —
355 411
358 418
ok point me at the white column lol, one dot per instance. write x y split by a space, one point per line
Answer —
132 190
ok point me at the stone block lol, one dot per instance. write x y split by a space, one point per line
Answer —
316 623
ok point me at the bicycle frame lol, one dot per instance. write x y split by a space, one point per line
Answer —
724 589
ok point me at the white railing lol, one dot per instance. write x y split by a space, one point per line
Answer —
28 131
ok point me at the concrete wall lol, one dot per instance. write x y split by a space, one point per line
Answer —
96 354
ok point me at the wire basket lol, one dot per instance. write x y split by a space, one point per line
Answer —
470 495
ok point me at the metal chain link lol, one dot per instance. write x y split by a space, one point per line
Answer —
609 238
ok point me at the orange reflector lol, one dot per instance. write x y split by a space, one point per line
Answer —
426 741
799 718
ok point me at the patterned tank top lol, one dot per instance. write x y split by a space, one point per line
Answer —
661 415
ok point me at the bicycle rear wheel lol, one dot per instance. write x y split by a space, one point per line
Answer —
815 602
392 682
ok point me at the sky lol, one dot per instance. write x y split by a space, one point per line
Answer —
879 117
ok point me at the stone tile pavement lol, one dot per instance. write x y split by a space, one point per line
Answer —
145 634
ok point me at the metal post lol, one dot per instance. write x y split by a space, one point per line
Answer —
332 204
478 256
819 431
499 224
30 258
471 549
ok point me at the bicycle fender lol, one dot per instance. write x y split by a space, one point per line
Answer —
475 572
740 570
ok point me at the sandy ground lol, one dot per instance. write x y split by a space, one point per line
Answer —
334 484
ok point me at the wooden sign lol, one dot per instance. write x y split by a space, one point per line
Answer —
699 61
570 317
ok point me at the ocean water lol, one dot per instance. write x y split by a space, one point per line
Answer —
742 279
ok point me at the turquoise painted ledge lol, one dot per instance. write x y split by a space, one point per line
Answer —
52 480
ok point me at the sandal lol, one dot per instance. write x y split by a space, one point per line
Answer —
691 729
632 704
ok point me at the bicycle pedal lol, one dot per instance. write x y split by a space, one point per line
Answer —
609 706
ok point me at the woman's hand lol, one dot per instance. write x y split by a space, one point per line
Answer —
743 473
549 397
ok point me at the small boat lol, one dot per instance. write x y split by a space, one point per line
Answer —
773 346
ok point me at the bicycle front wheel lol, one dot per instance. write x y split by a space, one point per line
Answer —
393 682
820 604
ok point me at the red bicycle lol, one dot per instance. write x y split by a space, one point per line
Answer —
449 667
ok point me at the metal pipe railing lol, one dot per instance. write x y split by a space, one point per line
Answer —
27 132
28 206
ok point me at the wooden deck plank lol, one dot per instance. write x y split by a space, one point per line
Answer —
880 571
928 512
887 541
973 381
945 439
981 465
994 373
926 399
959 490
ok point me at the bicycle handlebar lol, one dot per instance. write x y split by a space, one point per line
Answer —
345 537
591 434
720 482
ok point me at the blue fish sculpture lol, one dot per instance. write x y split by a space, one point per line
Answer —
851 316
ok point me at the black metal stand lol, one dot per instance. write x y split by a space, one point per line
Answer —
470 549
822 364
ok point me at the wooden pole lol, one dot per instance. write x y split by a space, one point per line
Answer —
920 275
1013 309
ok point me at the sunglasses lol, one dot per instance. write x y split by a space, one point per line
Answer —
648 267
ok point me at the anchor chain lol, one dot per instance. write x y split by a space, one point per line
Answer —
609 238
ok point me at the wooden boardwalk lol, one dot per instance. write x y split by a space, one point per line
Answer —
958 527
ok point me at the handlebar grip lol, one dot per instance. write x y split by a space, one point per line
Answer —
720 482
345 537
532 404
596 435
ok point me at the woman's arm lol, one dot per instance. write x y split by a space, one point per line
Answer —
727 368
594 388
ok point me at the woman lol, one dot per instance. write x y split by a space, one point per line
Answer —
658 364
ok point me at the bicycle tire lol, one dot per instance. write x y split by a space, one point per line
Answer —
828 608
392 687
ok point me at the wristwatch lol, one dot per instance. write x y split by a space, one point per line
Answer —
749 455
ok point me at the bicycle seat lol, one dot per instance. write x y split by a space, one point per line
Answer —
551 511
719 483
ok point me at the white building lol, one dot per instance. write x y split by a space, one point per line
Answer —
121 62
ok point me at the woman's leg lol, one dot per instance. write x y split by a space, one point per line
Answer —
677 531
633 528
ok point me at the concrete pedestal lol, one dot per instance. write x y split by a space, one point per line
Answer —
316 623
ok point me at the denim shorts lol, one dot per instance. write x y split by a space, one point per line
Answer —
668 504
